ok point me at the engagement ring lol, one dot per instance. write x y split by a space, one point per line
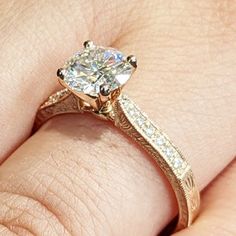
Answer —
93 80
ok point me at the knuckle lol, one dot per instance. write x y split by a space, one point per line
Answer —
24 215
55 202
4 230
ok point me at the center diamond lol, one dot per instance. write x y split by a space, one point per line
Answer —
94 68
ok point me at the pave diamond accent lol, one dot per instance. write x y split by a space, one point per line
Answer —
154 136
149 129
54 98
94 67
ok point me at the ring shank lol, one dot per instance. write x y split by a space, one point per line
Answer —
132 121
61 102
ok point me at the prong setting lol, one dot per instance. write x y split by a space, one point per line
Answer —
132 60
105 90
60 73
97 74
88 44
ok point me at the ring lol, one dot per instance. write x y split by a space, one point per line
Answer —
93 79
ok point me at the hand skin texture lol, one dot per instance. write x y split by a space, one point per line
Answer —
80 176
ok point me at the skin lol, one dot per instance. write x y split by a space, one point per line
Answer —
80 176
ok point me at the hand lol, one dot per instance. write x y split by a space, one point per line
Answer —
80 176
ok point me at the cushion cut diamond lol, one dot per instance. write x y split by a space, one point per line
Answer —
94 67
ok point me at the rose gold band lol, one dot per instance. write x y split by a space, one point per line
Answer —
132 121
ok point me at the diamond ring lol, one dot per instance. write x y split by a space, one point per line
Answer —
93 80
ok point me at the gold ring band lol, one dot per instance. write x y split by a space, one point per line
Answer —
129 118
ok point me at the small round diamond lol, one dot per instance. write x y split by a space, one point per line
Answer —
169 152
178 163
160 141
132 112
140 120
149 129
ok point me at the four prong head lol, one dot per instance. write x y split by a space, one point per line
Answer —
88 44
132 60
105 90
60 73
97 74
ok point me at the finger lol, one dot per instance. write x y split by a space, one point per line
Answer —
82 173
166 111
35 38
218 213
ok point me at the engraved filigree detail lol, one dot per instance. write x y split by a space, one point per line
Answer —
59 103
189 185
130 119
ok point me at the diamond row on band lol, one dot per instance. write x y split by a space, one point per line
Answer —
154 136
54 98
